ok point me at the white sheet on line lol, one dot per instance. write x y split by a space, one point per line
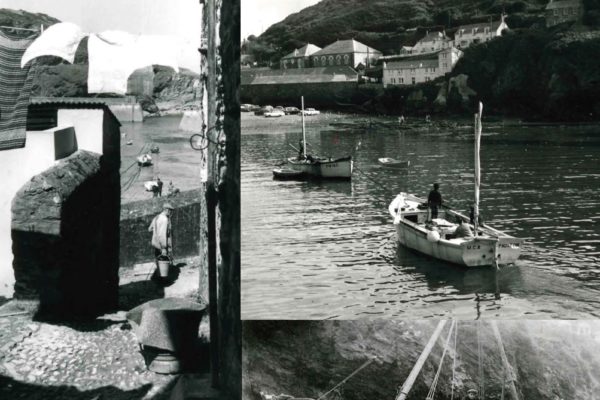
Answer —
115 55
60 40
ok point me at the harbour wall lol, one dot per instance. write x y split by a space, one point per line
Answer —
136 217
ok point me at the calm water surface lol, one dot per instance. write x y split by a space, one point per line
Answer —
318 250
176 162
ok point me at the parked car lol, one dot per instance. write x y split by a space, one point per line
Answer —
263 110
275 113
246 107
254 107
291 110
311 111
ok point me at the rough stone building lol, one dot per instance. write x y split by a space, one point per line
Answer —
299 58
418 69
559 11
61 208
345 53
467 35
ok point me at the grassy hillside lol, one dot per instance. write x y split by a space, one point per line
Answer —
384 24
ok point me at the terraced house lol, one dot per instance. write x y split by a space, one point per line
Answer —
559 11
345 53
467 35
430 43
402 70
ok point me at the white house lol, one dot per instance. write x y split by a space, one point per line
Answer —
477 33
418 69
430 43
55 130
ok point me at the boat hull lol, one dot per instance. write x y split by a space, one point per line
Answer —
490 249
340 168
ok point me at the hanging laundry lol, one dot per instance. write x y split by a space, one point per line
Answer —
60 40
15 90
115 55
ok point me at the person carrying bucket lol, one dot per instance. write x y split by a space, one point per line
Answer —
161 233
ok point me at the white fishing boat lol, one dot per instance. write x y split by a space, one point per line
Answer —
319 167
435 237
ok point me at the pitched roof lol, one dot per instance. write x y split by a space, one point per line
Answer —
563 4
346 46
413 63
431 36
298 75
304 51
480 26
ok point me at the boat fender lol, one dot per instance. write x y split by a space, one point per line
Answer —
433 236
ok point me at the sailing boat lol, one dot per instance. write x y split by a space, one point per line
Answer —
489 247
309 166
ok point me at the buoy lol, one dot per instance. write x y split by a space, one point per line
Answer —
433 236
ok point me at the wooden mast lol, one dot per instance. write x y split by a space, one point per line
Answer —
477 127
408 383
303 130
511 376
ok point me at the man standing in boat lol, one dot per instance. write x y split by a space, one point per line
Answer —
434 200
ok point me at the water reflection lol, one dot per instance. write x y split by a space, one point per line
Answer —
327 249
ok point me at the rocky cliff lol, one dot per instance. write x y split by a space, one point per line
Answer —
305 359
169 92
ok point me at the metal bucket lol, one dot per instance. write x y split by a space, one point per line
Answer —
163 267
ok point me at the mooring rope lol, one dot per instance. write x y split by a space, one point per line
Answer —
348 377
439 370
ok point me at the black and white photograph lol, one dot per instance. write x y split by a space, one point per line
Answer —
420 159
119 214
421 359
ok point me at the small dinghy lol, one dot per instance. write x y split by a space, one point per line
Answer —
287 173
155 149
393 163
144 160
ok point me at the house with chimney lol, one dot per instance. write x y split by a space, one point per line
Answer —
402 70
430 43
560 11
345 53
467 35
299 58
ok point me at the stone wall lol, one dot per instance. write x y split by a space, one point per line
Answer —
315 94
65 237
136 217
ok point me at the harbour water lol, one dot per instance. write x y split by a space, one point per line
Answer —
176 162
319 250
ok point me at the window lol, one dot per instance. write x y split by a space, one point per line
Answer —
414 80
400 80
330 60
555 11
393 80
427 79
323 60
346 59
338 59
412 71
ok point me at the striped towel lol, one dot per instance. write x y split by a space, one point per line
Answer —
15 89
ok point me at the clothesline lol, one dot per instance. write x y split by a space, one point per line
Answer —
19 29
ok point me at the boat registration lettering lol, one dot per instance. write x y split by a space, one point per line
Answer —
331 165
473 246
